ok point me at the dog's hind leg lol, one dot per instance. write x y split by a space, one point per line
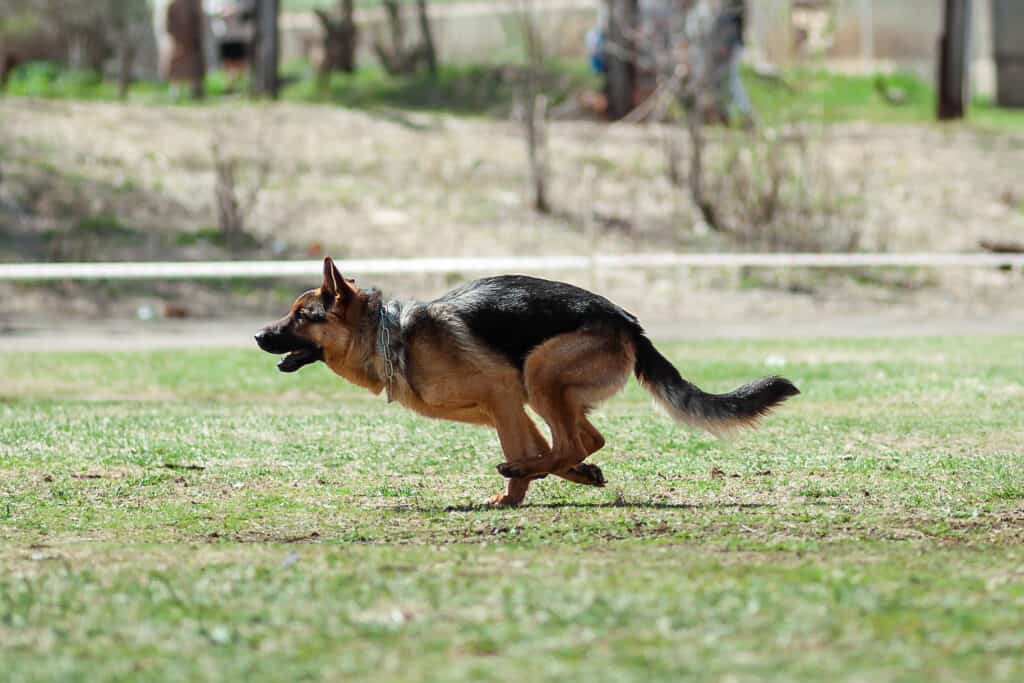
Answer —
591 438
565 377
589 475
586 473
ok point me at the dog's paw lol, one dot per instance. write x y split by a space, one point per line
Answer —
511 471
592 473
518 472
502 501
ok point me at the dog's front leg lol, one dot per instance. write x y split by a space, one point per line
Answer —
514 494
518 436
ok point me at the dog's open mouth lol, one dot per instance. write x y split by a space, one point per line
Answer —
297 359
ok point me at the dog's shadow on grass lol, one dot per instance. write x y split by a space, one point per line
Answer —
596 505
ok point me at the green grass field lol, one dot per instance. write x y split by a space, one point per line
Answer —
308 5
198 515
803 94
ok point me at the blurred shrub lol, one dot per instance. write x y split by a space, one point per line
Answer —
49 80
90 238
459 88
779 190
467 89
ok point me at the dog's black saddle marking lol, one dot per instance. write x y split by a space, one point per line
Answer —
513 314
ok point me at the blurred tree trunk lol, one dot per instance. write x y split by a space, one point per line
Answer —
128 19
265 80
126 62
391 58
533 106
398 59
429 49
620 57
697 180
186 27
535 118
8 62
341 38
953 46
718 56
199 66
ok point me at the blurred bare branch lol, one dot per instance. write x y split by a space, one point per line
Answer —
780 193
397 58
762 189
533 108
340 40
234 204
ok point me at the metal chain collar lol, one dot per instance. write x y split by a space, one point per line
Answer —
385 350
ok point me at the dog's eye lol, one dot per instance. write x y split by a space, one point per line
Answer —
299 316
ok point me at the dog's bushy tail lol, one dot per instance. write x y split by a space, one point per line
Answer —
717 413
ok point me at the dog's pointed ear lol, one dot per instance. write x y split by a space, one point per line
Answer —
335 287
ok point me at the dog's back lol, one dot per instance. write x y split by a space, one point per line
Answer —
514 314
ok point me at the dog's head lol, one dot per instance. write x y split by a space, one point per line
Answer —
317 321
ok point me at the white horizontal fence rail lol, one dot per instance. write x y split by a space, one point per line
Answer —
187 270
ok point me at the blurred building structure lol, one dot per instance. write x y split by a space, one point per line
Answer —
865 36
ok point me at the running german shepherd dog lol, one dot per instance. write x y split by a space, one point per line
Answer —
485 350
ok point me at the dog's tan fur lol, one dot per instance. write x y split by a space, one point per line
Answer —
563 379
444 371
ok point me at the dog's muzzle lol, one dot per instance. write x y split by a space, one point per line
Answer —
299 352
